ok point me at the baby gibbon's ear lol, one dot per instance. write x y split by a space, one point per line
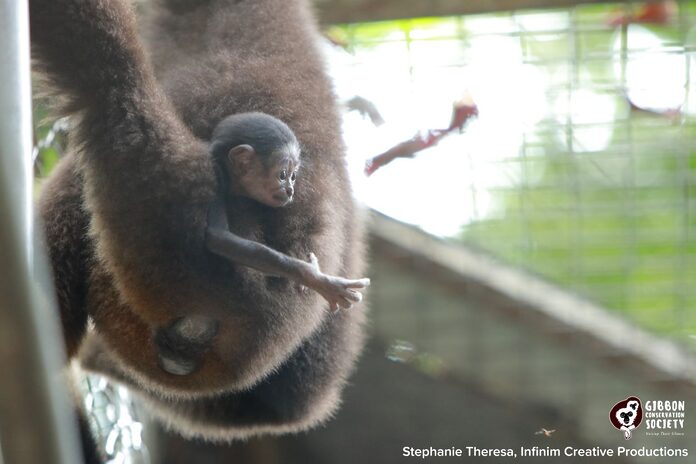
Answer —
241 158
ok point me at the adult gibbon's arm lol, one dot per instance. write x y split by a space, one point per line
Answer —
92 53
147 178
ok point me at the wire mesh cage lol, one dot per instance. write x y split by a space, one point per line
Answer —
581 165
114 420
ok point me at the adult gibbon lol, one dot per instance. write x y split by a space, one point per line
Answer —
126 213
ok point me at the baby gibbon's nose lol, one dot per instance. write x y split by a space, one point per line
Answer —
289 191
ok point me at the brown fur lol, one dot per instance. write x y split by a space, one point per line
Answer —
142 181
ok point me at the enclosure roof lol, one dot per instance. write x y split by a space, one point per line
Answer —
530 299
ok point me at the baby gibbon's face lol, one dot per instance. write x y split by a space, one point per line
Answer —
273 186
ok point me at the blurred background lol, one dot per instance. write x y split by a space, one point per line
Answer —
529 271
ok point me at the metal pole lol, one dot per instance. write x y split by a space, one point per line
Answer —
36 423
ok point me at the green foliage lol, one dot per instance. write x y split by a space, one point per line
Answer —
49 139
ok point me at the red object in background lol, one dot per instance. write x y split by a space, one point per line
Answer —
658 12
462 111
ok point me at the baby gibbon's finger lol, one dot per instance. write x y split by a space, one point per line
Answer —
359 283
352 295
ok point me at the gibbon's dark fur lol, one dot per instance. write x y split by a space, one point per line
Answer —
125 215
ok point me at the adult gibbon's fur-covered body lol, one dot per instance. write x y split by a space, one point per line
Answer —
125 215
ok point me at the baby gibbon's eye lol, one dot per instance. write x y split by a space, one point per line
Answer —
283 174
293 176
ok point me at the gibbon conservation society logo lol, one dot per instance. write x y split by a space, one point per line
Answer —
627 415
662 417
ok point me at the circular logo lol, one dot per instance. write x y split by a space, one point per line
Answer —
626 415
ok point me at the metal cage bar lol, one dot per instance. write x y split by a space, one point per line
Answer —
35 417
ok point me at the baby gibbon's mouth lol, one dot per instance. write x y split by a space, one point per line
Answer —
282 199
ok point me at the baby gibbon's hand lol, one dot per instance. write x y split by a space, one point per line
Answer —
341 293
